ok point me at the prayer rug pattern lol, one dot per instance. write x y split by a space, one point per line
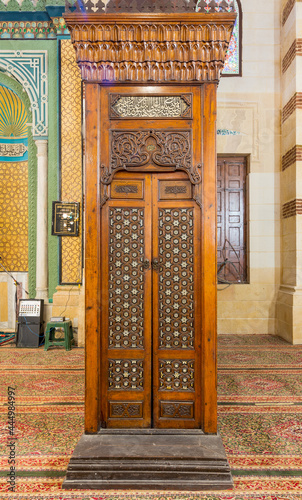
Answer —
260 421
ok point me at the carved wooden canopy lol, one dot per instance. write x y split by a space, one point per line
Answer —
184 47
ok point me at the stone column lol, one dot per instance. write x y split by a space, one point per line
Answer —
289 302
42 226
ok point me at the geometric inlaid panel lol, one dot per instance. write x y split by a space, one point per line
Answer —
176 375
126 278
176 278
125 374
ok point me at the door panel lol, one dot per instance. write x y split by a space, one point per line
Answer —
126 289
176 295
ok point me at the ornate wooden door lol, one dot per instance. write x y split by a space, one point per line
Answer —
151 295
150 112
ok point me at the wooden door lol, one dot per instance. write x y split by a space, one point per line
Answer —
151 328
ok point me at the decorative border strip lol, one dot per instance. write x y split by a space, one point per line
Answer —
30 30
26 6
294 50
287 10
293 155
291 208
29 67
294 103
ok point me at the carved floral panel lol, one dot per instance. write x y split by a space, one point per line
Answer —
168 149
121 409
176 409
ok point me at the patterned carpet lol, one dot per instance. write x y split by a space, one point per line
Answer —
260 421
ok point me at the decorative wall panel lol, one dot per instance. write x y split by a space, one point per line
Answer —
71 157
14 215
13 181
13 127
29 67
176 273
126 278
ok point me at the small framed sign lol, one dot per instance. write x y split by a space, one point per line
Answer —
65 218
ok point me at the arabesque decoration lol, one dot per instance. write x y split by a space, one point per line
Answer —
71 157
131 149
14 215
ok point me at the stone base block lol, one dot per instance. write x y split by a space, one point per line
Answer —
149 460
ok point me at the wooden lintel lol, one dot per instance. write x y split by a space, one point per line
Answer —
151 48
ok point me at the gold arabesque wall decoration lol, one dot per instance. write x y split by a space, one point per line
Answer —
71 157
14 182
14 215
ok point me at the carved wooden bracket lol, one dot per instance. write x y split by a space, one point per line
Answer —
151 48
158 149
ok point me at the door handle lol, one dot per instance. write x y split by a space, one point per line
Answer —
155 264
146 264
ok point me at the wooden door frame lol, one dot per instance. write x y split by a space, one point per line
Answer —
207 193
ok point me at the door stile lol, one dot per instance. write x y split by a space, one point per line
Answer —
209 262
92 259
123 407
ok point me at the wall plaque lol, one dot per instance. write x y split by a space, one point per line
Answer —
65 218
151 106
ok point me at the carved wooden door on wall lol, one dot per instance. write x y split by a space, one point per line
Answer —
150 254
151 328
